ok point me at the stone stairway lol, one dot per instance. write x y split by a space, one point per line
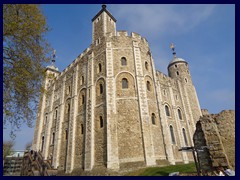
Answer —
33 164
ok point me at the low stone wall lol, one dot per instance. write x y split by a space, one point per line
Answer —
215 138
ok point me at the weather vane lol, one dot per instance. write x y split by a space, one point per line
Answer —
173 49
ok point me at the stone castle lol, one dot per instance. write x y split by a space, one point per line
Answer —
110 107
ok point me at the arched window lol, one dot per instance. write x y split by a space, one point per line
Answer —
99 68
175 65
146 65
177 73
66 134
81 128
53 137
185 137
172 134
179 114
83 99
148 86
82 82
68 112
68 90
56 113
153 118
101 121
124 83
123 61
42 143
186 80
45 122
100 88
167 110
164 92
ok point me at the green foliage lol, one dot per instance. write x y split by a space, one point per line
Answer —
24 57
7 148
165 171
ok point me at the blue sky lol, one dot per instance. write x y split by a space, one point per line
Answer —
204 35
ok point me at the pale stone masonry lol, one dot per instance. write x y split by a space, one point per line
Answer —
216 133
111 108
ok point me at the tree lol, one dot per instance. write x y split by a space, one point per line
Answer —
7 148
25 52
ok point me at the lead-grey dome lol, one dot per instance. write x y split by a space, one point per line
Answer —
176 60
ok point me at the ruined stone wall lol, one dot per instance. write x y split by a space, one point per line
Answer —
217 133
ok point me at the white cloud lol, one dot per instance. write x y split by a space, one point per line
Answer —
161 18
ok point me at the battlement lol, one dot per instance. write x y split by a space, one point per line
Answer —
75 61
122 33
133 35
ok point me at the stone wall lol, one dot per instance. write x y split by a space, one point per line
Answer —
216 132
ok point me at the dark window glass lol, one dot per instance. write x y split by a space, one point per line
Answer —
53 138
153 118
146 65
123 61
172 135
101 121
167 110
185 137
148 86
124 83
83 99
99 68
101 88
179 114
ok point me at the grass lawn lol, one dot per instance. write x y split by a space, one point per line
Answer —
184 169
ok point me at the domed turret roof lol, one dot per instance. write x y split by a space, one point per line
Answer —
176 59
53 67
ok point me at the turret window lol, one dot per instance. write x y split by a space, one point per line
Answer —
123 61
175 65
177 73
186 80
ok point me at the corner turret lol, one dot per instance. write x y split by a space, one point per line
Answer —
178 68
102 24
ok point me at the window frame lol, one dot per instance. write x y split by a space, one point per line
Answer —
172 134
124 83
123 61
